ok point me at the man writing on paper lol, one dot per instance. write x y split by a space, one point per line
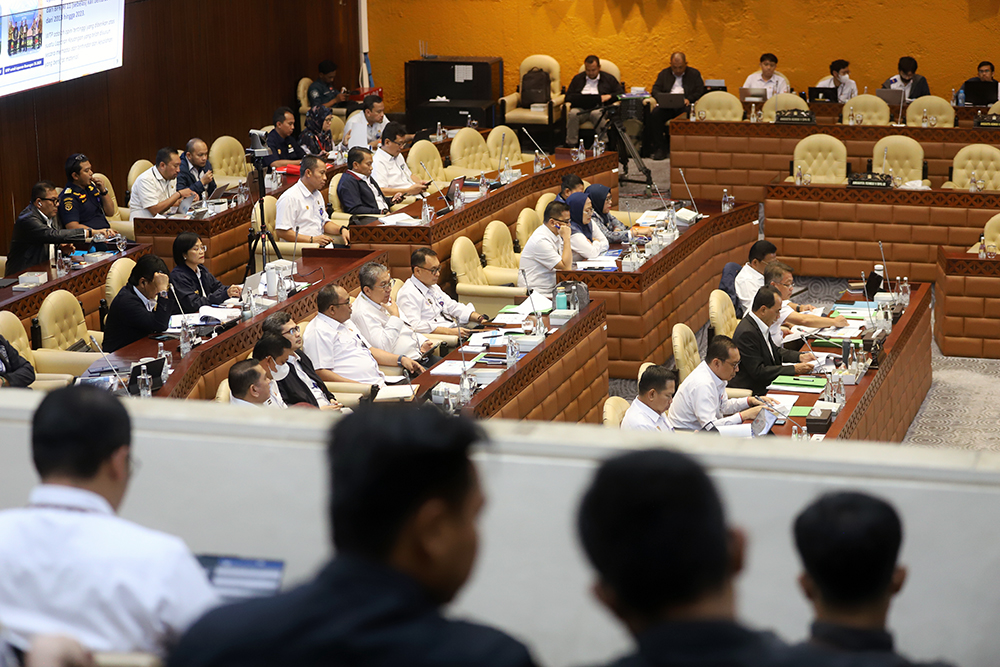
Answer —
425 306
761 361
779 276
390 169
155 190
304 206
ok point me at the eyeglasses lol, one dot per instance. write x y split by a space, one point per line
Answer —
342 303
563 220
293 330
436 270
54 200
384 285
735 366
790 284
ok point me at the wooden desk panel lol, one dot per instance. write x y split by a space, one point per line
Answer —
833 230
967 305
830 113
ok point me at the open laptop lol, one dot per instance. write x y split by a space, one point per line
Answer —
670 100
980 93
753 94
219 191
154 369
236 579
762 423
894 98
822 94
453 188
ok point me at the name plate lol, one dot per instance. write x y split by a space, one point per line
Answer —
989 121
866 180
797 116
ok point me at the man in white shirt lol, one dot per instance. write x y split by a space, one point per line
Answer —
701 399
840 78
70 565
424 305
338 350
365 128
377 318
547 251
648 409
304 206
912 84
155 190
779 276
249 384
751 276
389 168
766 78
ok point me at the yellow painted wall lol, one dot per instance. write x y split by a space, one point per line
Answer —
722 38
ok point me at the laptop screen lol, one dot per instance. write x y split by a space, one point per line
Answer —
237 579
762 423
454 187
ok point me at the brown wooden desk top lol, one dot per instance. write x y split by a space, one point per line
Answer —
892 196
968 264
952 135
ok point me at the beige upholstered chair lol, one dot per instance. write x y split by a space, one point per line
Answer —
980 158
302 92
903 155
991 233
336 128
873 110
222 394
686 355
62 322
53 369
119 221
721 313
614 411
267 129
228 160
289 250
935 106
137 168
501 134
821 156
995 108
426 152
109 659
334 200
642 369
720 106
511 111
117 278
501 260
783 101
527 223
3 264
470 154
606 66
473 284
540 205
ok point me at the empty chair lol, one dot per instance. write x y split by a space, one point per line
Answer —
781 102
228 160
472 283
721 313
427 153
995 108
62 322
686 355
614 411
527 222
873 110
991 233
516 112
498 248
470 154
981 159
117 278
543 201
501 134
903 156
821 156
53 369
302 93
934 106
720 106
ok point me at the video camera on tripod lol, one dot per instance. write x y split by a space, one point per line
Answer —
255 154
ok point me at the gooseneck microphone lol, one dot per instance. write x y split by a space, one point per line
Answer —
690 196
108 360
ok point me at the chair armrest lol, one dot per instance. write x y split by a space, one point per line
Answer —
125 228
499 275
559 100
350 400
448 339
527 157
466 289
732 392
50 381
948 185
63 362
649 102
357 388
136 659
339 216
510 101
623 217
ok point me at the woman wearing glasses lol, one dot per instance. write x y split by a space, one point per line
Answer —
192 283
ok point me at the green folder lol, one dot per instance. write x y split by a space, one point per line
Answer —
800 411
800 381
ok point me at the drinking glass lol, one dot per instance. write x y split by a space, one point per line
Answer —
980 185
991 251
932 121
122 243
807 179
858 117
702 115
897 181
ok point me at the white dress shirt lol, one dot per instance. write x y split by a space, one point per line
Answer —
775 329
239 401
363 134
774 86
748 282
590 85
678 86
298 206
376 192
896 83
641 417
539 258
149 189
584 249
72 567
391 172
340 348
150 305
385 331
701 399
427 308
845 91
317 391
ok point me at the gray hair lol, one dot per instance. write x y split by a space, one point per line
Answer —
369 274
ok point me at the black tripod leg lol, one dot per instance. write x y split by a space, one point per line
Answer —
270 237
252 240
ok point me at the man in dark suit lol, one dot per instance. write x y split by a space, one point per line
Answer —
404 504
358 192
760 360
678 78
196 171
587 94
15 371
36 229
141 307
301 386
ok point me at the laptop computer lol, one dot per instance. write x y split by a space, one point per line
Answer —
762 423
670 100
236 579
753 94
822 94
894 98
219 191
154 369
980 93
453 189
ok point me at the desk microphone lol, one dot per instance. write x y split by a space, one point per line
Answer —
901 98
295 246
885 267
885 156
108 360
865 293
503 137
544 154
693 203
433 182
177 299
539 325
782 415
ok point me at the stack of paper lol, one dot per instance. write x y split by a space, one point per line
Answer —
453 366
509 318
798 383
399 219
598 263
223 314
399 392
534 302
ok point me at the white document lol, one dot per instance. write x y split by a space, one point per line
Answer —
224 314
651 217
399 219
489 337
452 367
528 306
841 332
508 318
484 376
785 402
735 430
396 393
395 379
473 349
598 263
794 390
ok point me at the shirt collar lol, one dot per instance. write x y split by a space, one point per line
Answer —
753 269
322 317
360 177
69 497
720 384
422 288
851 639
646 410
371 303
302 187
760 324
157 175
149 304
240 401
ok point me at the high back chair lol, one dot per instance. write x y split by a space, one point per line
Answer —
615 408
935 106
873 110
821 156
119 220
642 369
991 233
610 68
721 313
302 92
49 372
470 154
995 108
336 128
782 101
543 201
137 168
229 164
686 355
333 199
289 250
498 248
62 324
473 284
982 159
427 153
505 136
117 278
516 115
902 155
719 105
527 223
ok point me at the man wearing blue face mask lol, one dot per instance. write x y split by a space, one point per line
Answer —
840 78
272 353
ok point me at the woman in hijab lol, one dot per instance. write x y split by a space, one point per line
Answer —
586 239
614 229
315 139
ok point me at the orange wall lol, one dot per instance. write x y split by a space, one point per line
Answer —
722 38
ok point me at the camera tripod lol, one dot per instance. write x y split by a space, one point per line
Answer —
263 234
613 125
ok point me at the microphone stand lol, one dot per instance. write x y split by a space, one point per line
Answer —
539 148
540 328
885 267
110 365
503 138
441 193
697 214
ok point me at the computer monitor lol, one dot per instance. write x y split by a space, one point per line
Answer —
670 100
892 97
980 93
453 189
822 94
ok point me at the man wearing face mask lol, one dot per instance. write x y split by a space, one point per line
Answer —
272 353
301 386
840 78
912 84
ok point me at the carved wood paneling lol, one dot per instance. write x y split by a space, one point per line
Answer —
894 197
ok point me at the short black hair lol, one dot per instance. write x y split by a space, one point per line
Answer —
326 297
420 256
849 542
719 348
184 242
275 322
279 115
327 66
164 155
553 209
310 162
769 58
656 377
774 270
838 65
417 452
592 59
653 527
146 267
370 101
73 165
765 296
986 63
570 182
393 130
356 155
271 345
760 250
907 64
77 428
40 189
242 374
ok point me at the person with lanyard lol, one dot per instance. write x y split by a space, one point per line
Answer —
284 149
840 78
912 84
315 138
425 306
586 239
358 192
302 386
194 286
614 230
86 200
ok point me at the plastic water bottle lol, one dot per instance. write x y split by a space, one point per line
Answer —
725 200
961 97
538 162
693 116
282 288
795 432
850 115
581 151
483 188
60 266
972 182
798 175
923 120
905 291
246 309
459 202
145 384
574 302
513 351
438 134
508 174
425 213
185 347
167 361
753 113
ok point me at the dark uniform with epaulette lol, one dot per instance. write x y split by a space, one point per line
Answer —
82 205
282 148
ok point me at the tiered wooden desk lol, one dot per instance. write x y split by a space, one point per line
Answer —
830 113
967 305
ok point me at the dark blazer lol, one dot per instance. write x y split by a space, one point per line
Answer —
355 612
33 233
694 87
185 179
918 88
356 197
185 283
757 368
294 390
607 84
17 371
856 646
129 321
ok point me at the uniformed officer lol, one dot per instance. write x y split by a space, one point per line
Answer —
284 149
86 200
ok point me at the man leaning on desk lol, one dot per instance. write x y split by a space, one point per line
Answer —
425 306
300 215
141 307
35 230
155 190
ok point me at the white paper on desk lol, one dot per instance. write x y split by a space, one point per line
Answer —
804 331
784 405
841 332
473 349
177 320
452 367
796 390
651 217
825 361
735 430
484 338
528 306
395 379
224 314
508 318
396 393
484 376
600 262
399 219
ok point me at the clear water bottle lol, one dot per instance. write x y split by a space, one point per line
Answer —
574 302
167 361
923 120
185 346
459 202
60 266
850 116
581 151
246 306
692 116
972 182
905 291
425 213
483 188
538 162
508 174
753 113
954 97
795 432
145 384
798 175
438 132
513 351
961 97
282 288
725 200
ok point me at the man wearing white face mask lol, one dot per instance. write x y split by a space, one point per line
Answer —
272 353
840 78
